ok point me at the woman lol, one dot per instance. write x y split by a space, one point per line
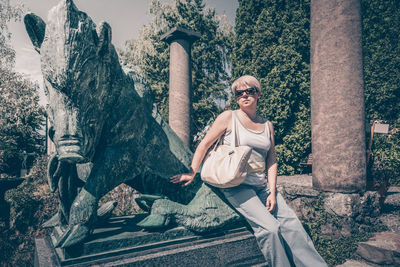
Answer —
279 233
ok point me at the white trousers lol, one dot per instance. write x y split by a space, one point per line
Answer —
280 235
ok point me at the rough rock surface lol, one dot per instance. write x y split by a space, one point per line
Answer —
391 209
346 213
297 186
382 249
392 221
392 201
352 204
354 263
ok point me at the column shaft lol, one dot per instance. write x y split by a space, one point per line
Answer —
337 96
180 89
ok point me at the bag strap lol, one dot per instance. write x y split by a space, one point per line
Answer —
216 144
233 133
233 129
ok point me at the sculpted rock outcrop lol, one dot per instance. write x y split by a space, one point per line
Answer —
107 132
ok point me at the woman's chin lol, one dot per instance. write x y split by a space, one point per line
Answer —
247 103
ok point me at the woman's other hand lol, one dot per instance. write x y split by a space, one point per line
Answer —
184 177
271 202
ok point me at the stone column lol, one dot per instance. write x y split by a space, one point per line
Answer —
180 80
337 97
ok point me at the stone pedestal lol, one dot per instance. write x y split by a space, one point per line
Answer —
180 80
337 97
121 243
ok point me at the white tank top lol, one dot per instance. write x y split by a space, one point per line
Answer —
260 141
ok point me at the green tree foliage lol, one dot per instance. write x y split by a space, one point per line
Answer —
272 44
385 169
149 56
21 118
381 58
381 62
7 13
32 203
20 114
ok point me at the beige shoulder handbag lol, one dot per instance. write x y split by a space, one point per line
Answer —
226 166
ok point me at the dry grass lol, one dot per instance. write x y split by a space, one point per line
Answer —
125 196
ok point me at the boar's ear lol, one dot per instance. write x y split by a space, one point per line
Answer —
35 27
104 33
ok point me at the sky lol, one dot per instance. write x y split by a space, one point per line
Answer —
126 18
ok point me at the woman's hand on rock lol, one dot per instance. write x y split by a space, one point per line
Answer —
184 177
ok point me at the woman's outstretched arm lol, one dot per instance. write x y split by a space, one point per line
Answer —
219 126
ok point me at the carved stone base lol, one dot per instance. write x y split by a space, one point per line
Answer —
120 242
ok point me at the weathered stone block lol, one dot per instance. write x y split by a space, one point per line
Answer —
392 201
392 221
352 205
344 214
341 204
354 263
382 249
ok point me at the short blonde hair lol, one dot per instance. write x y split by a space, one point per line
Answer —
247 80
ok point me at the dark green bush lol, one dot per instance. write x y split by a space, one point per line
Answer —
32 203
272 43
381 65
385 161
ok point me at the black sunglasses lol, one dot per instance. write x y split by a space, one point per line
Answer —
248 91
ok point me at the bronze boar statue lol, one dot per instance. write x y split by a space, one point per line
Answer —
107 132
